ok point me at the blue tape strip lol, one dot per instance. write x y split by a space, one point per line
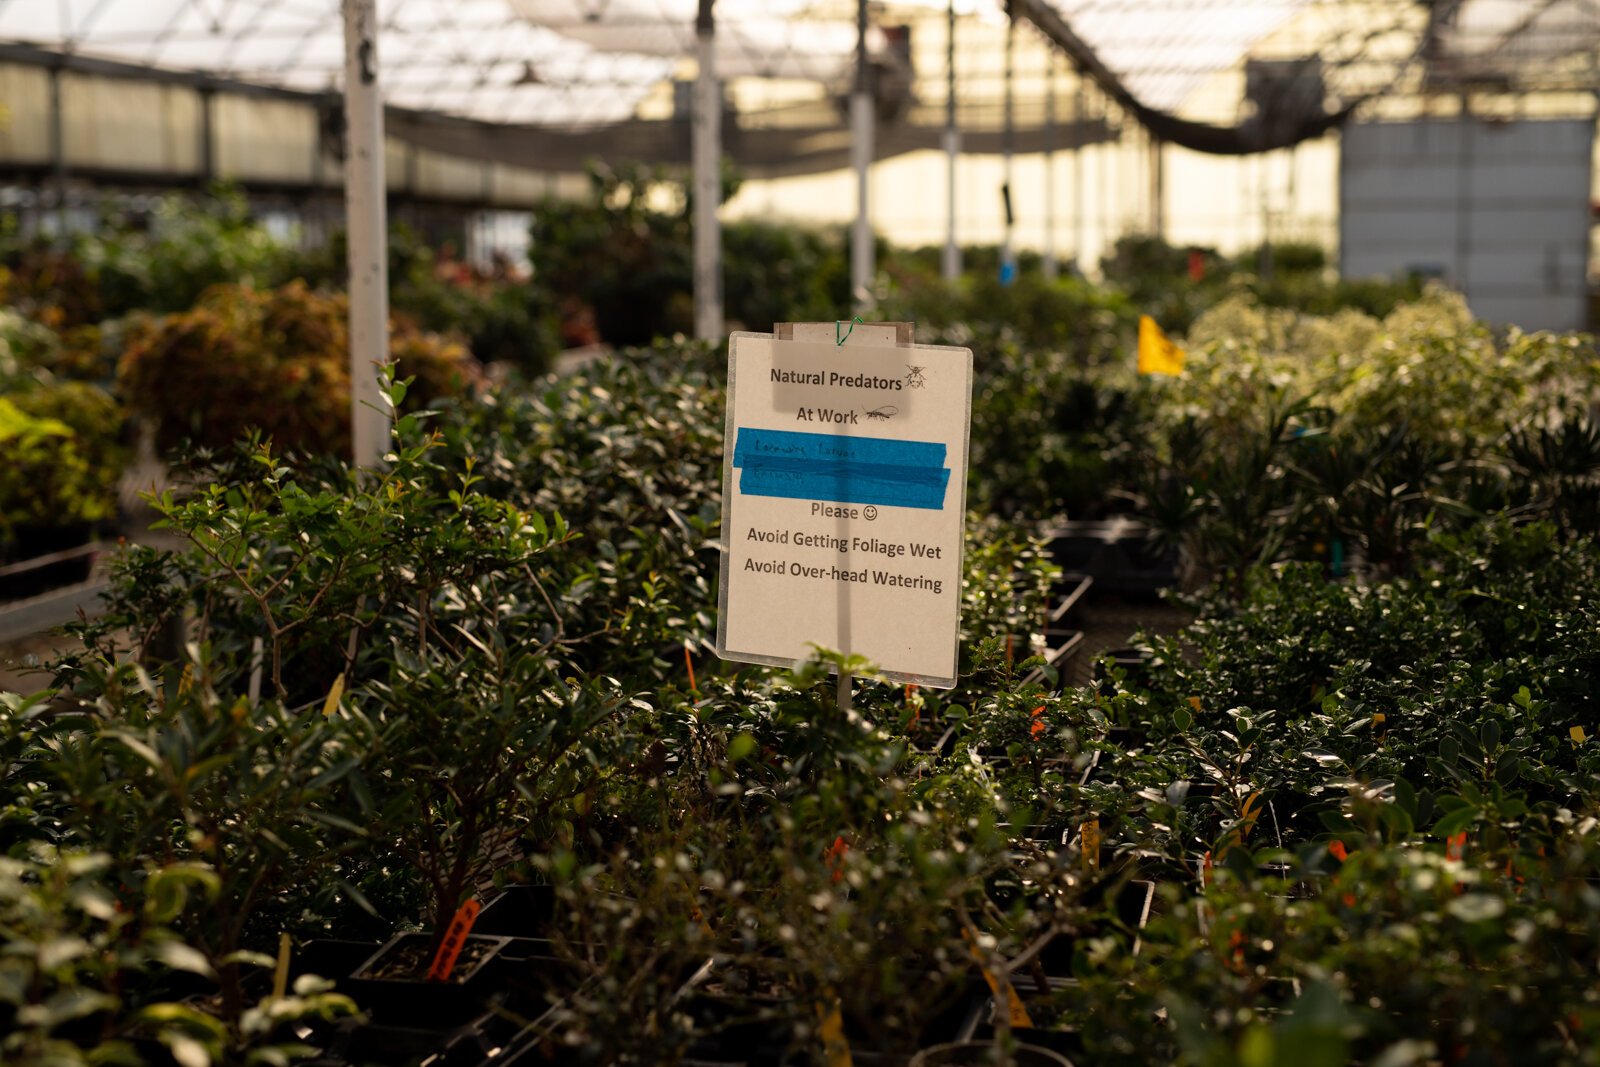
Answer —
842 470
755 445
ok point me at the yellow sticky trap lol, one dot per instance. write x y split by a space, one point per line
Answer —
1089 840
334 694
1577 735
1194 702
835 1049
1016 1011
280 974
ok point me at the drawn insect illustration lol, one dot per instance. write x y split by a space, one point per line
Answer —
883 414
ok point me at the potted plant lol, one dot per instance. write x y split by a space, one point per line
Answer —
59 486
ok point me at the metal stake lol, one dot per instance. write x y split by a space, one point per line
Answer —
861 149
366 215
707 182
951 267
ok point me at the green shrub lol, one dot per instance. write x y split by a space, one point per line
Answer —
631 263
273 360
64 460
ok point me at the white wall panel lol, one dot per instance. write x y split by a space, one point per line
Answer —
130 126
1501 209
264 140
25 131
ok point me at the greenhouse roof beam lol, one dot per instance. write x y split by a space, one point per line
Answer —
77 63
1247 138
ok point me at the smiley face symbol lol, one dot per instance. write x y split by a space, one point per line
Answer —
869 513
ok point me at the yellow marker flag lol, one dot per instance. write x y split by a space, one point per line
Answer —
1157 355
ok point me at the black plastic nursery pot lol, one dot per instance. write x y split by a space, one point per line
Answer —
519 911
1134 903
387 986
751 1027
977 1053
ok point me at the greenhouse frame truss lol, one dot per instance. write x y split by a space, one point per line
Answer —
549 84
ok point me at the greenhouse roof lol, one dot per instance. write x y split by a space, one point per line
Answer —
591 62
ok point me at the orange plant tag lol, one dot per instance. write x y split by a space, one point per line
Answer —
1194 702
455 936
1455 847
835 856
1038 726
688 662
1337 850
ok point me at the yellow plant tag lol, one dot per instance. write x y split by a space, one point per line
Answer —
835 1049
280 974
1577 735
334 694
1379 718
1016 1011
1089 840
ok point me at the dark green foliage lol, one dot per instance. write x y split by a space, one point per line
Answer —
1367 782
631 263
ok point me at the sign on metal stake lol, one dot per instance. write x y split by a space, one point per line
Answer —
844 500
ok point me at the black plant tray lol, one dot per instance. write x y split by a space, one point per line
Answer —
24 579
1134 903
1119 553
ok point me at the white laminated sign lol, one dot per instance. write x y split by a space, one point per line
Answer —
844 500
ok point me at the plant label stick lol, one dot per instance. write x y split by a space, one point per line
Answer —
454 938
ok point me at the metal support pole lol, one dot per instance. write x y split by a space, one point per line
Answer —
707 160
861 150
58 155
1049 265
208 135
1463 250
1008 255
366 222
951 267
1158 188
1080 219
